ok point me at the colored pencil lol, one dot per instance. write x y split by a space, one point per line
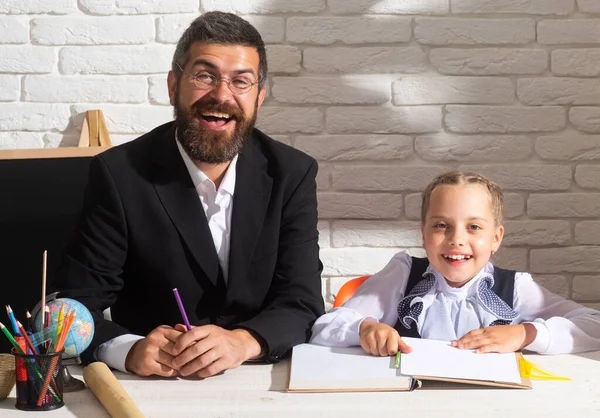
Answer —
11 338
11 317
32 364
27 340
58 347
182 310
47 314
44 266
64 332
61 318
29 321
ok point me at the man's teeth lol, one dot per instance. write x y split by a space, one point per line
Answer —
217 115
457 257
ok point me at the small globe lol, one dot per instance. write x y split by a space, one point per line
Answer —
82 330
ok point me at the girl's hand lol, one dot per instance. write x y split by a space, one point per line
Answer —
381 339
498 339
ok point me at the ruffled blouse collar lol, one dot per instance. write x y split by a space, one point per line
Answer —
488 307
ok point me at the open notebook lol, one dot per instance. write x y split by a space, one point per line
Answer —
329 369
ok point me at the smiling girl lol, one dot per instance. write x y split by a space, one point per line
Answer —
456 294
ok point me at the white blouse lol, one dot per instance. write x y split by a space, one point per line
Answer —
448 313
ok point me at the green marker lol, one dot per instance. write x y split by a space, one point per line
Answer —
397 363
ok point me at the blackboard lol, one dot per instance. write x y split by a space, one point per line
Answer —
40 199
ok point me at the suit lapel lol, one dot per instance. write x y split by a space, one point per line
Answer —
180 199
251 199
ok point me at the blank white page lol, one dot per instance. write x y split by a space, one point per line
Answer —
433 358
317 367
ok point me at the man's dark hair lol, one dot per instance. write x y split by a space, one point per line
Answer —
220 28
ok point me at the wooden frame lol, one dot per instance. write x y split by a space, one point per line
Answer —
94 132
93 140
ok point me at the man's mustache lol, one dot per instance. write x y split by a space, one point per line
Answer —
199 108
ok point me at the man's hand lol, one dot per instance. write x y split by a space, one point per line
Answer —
208 350
381 339
498 339
152 355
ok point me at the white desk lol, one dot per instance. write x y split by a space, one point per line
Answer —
258 391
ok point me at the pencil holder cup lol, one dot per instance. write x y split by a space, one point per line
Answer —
7 375
39 381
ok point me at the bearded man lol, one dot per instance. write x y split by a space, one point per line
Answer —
206 204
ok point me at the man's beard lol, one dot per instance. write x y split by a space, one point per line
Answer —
208 146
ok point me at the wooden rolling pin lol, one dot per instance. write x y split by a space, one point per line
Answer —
109 391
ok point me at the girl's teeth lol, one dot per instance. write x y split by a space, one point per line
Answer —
458 257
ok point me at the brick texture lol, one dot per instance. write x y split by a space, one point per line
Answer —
445 31
14 30
538 7
576 62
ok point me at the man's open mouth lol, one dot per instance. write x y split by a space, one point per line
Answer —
216 119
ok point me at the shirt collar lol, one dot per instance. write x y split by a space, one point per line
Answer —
198 177
442 285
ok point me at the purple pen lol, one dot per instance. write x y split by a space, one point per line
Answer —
182 310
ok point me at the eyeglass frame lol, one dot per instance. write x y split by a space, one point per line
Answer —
204 86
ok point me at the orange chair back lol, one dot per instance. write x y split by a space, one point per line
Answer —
347 290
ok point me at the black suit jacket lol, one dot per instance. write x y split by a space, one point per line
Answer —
143 232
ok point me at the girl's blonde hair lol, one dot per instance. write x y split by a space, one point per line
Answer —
456 177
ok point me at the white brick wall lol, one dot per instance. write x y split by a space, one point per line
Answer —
383 93
92 30
489 61
588 6
452 31
540 7
585 119
14 30
576 62
327 30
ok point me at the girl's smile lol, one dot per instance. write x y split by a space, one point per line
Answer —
459 232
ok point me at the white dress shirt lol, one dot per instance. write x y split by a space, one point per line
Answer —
218 206
448 313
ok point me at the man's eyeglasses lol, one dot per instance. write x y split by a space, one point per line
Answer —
207 81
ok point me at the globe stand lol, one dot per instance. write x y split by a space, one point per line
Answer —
70 383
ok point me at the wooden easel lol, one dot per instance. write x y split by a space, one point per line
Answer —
93 140
94 132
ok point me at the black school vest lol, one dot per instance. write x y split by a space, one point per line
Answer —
504 287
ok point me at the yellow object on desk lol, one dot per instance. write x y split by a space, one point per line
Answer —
532 371
103 383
